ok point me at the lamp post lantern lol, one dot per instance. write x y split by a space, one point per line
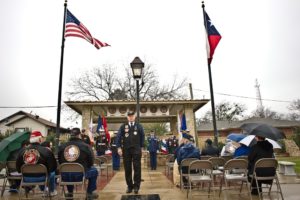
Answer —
137 69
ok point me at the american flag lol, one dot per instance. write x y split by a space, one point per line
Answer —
74 28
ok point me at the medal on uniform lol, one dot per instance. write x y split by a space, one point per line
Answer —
126 134
135 133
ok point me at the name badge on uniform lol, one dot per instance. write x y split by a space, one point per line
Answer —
126 134
135 133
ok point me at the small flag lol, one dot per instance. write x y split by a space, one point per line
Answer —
74 28
163 148
213 37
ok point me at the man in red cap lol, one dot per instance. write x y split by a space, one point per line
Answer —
37 154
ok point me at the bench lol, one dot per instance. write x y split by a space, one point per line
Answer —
287 168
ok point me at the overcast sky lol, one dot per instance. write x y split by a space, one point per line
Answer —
260 40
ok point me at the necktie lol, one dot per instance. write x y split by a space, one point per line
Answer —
131 124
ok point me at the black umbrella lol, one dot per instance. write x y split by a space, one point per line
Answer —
263 130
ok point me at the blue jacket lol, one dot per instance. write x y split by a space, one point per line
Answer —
188 151
153 144
243 150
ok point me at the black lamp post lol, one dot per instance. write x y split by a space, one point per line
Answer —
137 69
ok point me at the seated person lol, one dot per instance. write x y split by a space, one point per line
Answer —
76 150
14 184
262 149
209 149
37 154
188 150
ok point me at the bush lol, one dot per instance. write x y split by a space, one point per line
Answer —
296 137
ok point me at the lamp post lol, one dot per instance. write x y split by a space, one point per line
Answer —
137 68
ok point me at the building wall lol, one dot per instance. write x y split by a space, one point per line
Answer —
31 125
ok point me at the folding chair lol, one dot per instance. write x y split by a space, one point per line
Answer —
203 169
184 163
218 166
109 163
11 175
266 163
240 166
72 169
3 176
242 157
226 158
103 164
205 157
169 164
32 170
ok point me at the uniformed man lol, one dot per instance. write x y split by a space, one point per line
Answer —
115 155
101 143
130 141
172 144
37 154
78 151
153 146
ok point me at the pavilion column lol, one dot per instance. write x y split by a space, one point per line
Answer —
173 126
86 117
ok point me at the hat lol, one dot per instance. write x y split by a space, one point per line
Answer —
75 131
35 136
129 113
208 141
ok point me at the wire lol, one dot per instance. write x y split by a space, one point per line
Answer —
28 106
245 97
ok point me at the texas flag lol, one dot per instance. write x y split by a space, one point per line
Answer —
213 37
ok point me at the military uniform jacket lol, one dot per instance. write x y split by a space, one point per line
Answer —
36 154
153 144
113 144
101 143
131 136
76 151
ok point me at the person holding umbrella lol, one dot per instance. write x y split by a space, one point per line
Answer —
262 149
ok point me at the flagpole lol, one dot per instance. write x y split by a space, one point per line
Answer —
216 135
60 81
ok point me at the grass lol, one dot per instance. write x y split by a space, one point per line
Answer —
291 159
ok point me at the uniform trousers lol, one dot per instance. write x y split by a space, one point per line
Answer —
153 160
132 157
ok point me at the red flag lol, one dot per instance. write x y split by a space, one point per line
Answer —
104 123
213 37
74 28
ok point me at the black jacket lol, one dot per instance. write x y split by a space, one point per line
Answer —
85 156
46 157
262 149
210 150
131 137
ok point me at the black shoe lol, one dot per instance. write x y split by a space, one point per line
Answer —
254 192
129 190
136 190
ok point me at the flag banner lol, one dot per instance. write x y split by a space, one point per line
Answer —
99 125
74 28
213 37
183 122
104 122
90 132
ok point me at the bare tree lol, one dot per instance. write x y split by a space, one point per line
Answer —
294 107
225 111
267 113
105 84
